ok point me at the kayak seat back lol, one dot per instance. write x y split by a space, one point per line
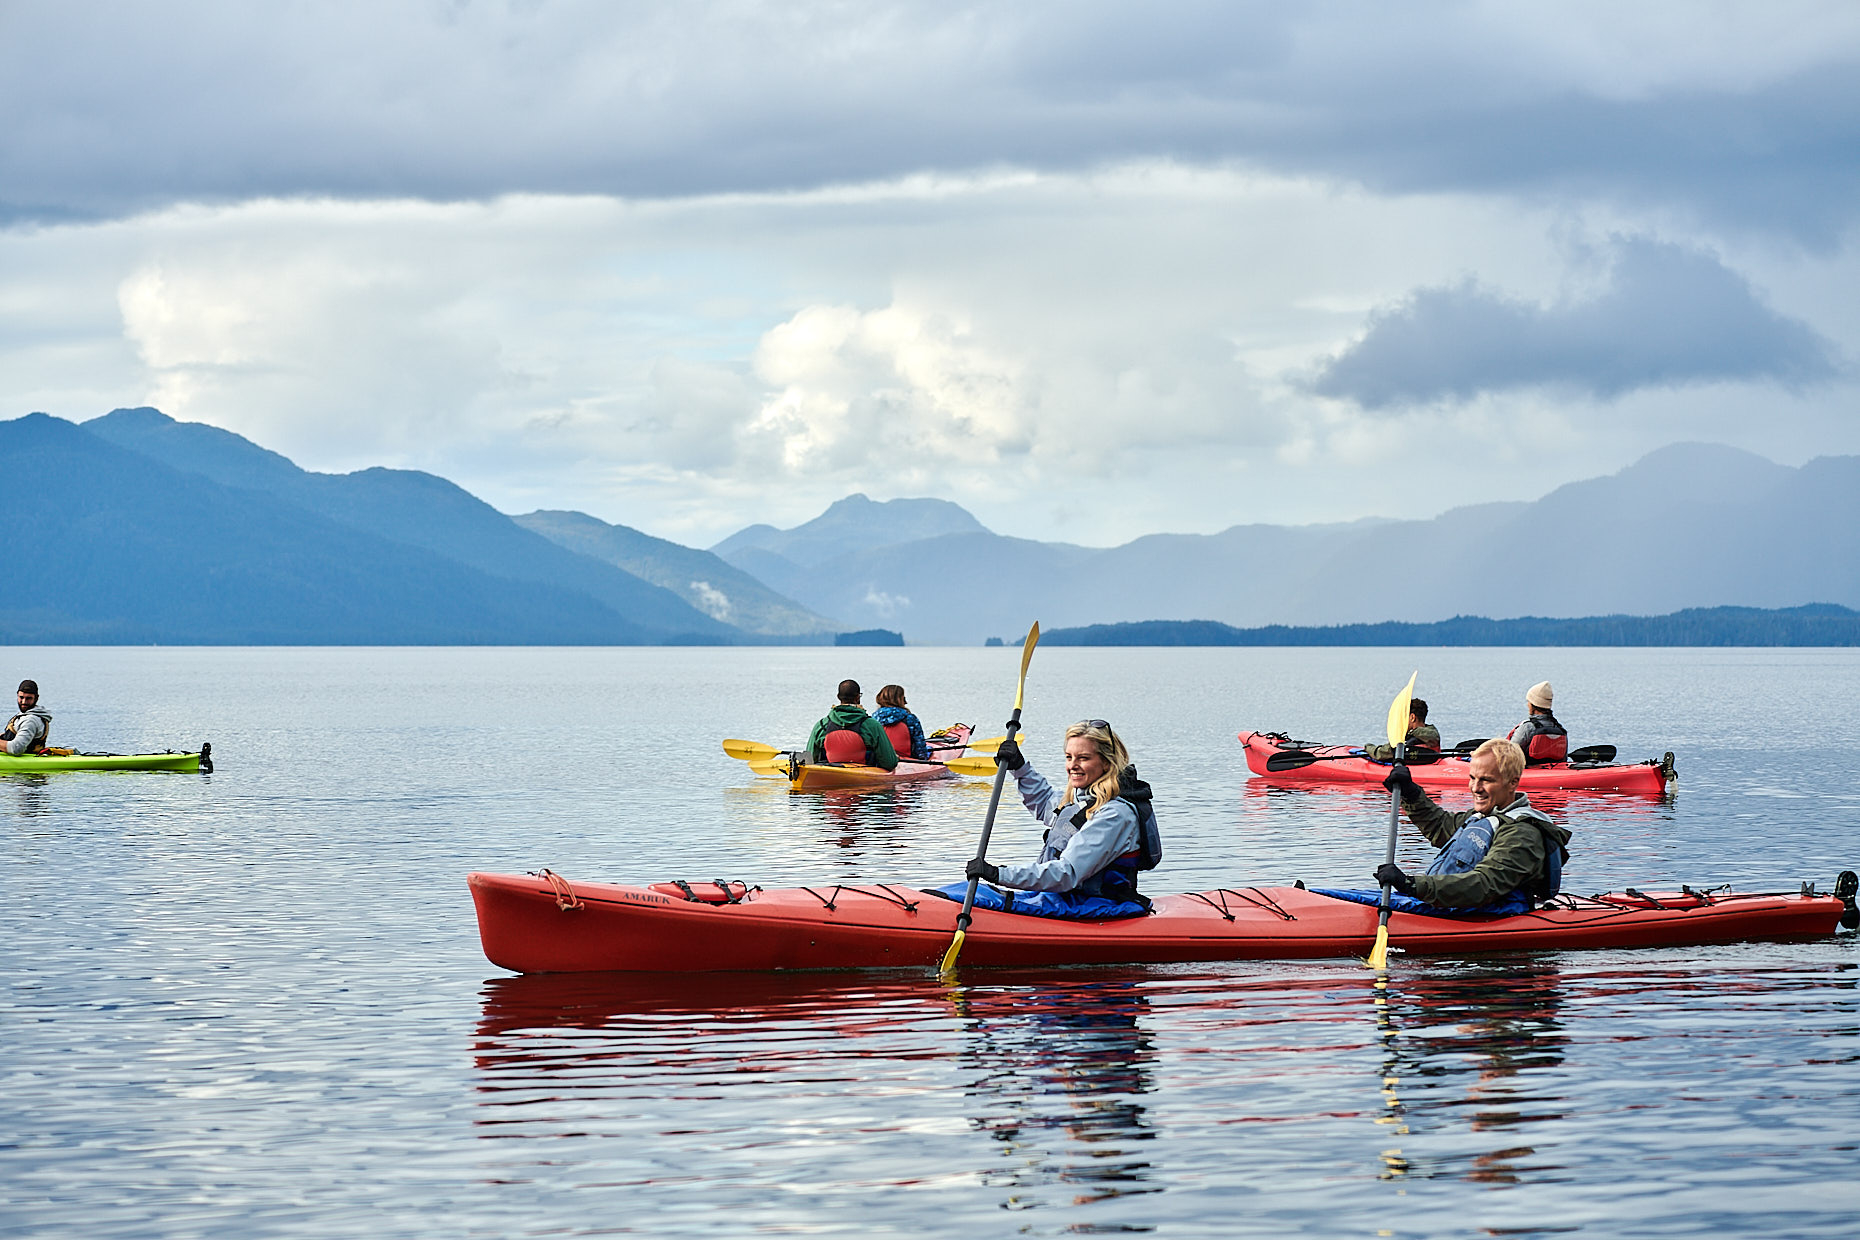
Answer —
845 745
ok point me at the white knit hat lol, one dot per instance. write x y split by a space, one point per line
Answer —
1539 695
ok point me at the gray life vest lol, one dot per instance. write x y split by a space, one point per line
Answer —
1473 841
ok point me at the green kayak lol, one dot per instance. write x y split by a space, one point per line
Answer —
66 760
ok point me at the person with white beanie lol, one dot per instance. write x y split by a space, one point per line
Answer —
1540 736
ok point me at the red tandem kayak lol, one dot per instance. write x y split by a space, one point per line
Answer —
1337 765
543 923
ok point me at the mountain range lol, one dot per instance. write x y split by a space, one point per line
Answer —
143 529
134 527
1689 525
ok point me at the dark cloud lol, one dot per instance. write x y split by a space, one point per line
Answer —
225 101
1671 316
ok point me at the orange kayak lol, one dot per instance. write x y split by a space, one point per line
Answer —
543 923
822 776
1340 764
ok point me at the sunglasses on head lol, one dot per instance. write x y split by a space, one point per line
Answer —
1100 724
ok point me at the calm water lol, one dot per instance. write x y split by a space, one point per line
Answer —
253 1004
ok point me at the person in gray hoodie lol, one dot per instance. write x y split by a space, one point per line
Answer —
26 731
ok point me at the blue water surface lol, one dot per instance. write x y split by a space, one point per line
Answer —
252 1003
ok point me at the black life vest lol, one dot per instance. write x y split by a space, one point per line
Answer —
1118 880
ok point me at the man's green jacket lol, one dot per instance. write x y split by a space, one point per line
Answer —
1515 861
852 717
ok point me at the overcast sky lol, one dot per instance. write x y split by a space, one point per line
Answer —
1090 270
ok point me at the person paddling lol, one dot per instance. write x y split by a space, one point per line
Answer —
1098 836
901 724
1496 857
1540 736
848 734
1422 735
26 731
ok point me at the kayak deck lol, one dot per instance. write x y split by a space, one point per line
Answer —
1340 764
37 763
543 923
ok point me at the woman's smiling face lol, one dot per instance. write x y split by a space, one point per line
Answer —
1085 766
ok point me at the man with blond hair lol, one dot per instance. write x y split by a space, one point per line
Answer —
1496 857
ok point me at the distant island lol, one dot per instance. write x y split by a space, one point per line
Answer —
1815 624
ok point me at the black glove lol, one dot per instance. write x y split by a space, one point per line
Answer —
1399 780
1009 756
987 871
1388 874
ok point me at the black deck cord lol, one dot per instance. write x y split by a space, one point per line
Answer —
685 887
826 900
1269 904
1220 908
1641 895
730 897
892 897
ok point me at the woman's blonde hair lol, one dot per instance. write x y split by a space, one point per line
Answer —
1105 788
891 695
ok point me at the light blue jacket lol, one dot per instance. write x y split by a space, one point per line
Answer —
1071 855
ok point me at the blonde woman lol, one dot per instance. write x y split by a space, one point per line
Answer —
1098 835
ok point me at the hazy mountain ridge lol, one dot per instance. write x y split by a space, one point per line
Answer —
1687 526
702 579
117 547
409 507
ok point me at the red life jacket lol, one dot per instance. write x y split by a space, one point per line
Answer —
899 734
845 745
1546 748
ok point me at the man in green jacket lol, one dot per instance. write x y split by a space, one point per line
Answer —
1421 734
849 716
1499 855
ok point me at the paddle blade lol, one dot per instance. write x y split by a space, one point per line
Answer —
973 764
955 950
1379 954
775 767
1289 760
1398 713
989 744
750 751
1026 657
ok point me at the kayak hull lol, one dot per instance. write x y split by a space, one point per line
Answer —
812 778
1339 766
824 777
547 924
36 764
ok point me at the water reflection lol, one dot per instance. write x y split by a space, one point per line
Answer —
1062 1064
1468 1048
1051 1069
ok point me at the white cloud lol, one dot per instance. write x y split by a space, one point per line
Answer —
1085 357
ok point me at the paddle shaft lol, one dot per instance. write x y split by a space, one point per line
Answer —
1382 919
988 828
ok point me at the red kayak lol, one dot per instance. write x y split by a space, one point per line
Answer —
543 923
1308 762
